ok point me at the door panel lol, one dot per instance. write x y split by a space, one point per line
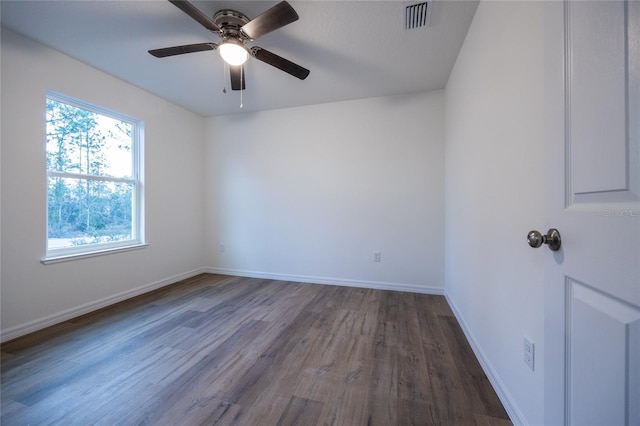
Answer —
598 370
596 92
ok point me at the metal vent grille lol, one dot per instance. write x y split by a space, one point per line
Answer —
416 15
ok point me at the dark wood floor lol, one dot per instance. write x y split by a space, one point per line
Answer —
227 350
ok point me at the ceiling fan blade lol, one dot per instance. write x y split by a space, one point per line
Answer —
280 62
196 14
237 77
278 16
181 50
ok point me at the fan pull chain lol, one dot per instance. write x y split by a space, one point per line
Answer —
224 77
241 83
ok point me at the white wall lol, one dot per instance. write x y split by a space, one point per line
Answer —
311 193
34 295
494 196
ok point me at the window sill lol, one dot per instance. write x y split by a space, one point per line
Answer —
80 256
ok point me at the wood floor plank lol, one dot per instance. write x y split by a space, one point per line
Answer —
301 411
480 396
219 350
203 411
353 390
383 396
482 420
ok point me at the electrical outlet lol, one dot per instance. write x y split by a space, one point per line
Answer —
221 248
529 353
376 256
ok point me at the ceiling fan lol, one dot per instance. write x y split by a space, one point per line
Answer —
235 30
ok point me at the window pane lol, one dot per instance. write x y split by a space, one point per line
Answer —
84 142
85 211
94 178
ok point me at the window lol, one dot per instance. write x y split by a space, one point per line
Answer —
94 190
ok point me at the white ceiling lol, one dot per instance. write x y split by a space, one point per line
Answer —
354 49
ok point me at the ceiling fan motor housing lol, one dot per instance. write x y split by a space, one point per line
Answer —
230 22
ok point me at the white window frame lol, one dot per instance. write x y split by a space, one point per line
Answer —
137 217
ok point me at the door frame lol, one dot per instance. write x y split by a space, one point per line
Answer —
554 293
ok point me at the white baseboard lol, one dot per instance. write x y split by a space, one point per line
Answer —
503 394
377 285
59 317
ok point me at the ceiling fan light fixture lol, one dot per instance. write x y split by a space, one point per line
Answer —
233 52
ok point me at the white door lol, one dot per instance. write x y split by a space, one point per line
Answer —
592 285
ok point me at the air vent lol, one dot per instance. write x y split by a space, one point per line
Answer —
416 15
